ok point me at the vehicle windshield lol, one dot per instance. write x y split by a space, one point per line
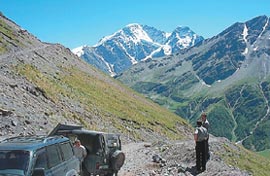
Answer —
14 161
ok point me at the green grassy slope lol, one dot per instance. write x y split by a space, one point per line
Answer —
106 101
265 153
246 160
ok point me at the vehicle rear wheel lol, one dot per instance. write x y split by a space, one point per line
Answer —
112 174
117 160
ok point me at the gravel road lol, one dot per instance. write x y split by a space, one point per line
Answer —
176 158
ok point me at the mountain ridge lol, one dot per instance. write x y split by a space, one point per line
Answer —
133 43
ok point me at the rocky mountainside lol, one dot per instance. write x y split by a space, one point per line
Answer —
43 84
115 53
227 76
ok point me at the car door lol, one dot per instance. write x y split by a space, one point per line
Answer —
55 164
72 163
41 161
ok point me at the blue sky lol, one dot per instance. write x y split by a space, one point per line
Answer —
84 22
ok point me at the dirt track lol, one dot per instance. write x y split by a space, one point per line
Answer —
179 159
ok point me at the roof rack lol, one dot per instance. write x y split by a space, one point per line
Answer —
51 138
39 138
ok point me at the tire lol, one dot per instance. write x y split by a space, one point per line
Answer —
112 174
117 160
109 175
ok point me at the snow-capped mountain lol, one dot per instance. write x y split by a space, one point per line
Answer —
115 53
182 37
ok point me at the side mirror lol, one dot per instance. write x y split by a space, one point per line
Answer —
39 172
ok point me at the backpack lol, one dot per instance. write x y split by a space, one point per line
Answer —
202 133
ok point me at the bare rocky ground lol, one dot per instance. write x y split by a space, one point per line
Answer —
176 158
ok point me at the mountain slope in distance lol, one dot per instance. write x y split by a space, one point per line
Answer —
227 76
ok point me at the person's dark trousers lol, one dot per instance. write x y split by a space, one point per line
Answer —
201 155
207 150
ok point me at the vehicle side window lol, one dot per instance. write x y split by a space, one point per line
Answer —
41 161
103 143
66 149
54 157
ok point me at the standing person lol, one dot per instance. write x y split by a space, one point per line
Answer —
206 125
200 137
79 151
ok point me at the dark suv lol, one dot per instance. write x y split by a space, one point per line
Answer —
104 155
38 156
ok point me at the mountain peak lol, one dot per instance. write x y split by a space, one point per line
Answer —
181 28
130 33
135 42
183 31
133 25
135 33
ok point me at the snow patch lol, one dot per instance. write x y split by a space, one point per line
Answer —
78 51
207 85
246 51
109 66
167 34
245 34
184 41
151 55
194 39
167 49
132 59
202 81
139 33
264 27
